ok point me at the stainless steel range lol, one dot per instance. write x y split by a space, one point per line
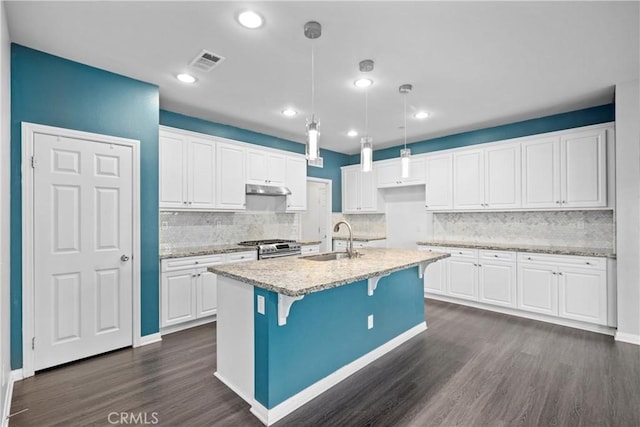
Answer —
274 248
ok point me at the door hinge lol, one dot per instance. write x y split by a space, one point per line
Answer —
34 162
33 343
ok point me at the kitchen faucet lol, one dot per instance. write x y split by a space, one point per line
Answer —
350 251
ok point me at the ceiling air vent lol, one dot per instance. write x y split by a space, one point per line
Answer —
206 61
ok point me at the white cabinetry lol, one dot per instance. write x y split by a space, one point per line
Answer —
309 249
439 182
435 275
570 287
462 273
188 290
296 181
265 168
341 245
187 180
359 191
497 278
568 171
389 173
468 179
230 176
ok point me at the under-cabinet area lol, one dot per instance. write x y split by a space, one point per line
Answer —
578 289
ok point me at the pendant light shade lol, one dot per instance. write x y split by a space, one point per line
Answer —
405 153
313 30
366 153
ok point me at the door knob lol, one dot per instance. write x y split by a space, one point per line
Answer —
124 258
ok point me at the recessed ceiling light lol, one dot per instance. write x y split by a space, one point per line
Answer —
289 112
363 82
186 78
421 115
250 19
352 133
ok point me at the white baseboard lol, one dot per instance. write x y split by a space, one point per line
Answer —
600 329
182 326
270 416
628 338
236 390
15 375
149 339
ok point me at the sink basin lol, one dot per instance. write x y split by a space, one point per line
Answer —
331 256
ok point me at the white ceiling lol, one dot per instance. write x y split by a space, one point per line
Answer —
472 64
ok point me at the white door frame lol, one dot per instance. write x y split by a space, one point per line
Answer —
329 208
28 315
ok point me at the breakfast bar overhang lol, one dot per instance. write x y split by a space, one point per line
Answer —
289 329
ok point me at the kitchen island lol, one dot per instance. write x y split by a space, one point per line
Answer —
290 328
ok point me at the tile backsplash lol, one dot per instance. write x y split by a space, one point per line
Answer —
364 225
549 228
189 229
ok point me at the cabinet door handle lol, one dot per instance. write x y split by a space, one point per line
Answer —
184 203
529 258
554 273
558 202
560 273
190 202
588 263
496 256
564 201
194 275
199 274
197 262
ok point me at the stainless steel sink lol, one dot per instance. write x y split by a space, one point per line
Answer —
331 256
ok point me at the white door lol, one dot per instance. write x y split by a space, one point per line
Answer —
83 218
296 181
582 295
541 174
315 219
201 173
468 179
537 289
463 278
173 165
502 176
439 182
207 289
497 283
584 169
230 185
351 189
178 296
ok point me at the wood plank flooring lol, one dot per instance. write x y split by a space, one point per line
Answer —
470 368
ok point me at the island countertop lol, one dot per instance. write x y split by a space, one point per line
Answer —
299 276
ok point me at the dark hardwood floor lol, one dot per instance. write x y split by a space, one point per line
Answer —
471 368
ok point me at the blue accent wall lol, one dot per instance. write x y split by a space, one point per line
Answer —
572 119
53 91
327 330
332 160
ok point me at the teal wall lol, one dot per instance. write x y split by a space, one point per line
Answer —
332 160
327 330
572 119
52 91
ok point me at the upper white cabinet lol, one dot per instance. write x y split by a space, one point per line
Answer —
230 176
502 176
468 179
187 179
389 173
266 168
439 182
568 171
296 181
359 190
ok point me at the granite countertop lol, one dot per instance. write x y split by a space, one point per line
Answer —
203 250
359 237
295 276
309 242
555 250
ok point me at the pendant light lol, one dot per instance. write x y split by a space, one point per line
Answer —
405 153
366 142
313 30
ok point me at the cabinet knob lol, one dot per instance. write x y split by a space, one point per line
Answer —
479 265
194 275
554 273
588 263
560 273
184 203
564 201
190 202
197 262
496 256
529 258
460 253
558 202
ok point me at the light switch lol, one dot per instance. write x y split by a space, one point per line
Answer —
370 321
260 304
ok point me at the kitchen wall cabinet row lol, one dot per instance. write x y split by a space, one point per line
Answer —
569 287
202 172
188 290
572 169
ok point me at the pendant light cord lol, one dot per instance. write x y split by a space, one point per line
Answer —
366 113
313 79
405 120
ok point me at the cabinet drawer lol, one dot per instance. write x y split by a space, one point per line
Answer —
173 264
310 249
441 249
489 255
568 260
464 253
242 256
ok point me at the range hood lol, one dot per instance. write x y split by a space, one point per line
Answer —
267 190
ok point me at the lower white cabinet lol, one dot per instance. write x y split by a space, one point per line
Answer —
309 249
569 287
341 245
189 290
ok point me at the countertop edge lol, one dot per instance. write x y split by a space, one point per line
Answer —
324 286
204 252
516 248
361 238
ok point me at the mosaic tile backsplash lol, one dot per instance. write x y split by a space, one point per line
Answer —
189 229
548 228
372 225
